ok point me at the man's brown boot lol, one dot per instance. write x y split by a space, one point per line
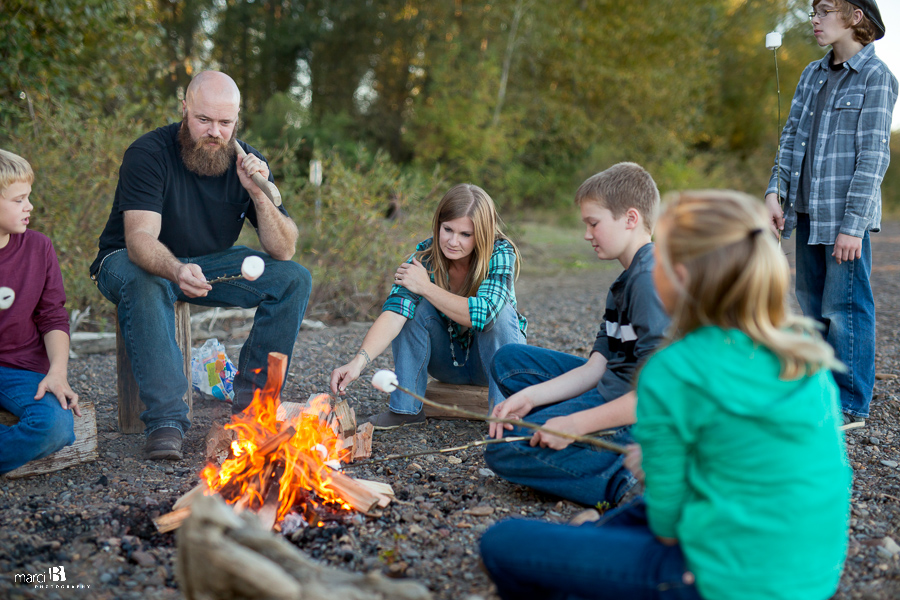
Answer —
164 444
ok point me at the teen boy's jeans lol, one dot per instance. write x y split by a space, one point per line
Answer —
617 557
423 348
147 323
840 297
44 426
579 472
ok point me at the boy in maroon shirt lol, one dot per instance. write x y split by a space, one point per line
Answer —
34 329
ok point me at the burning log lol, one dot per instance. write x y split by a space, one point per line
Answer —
229 557
273 467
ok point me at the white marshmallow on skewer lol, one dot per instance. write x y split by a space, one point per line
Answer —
252 268
385 380
773 40
7 297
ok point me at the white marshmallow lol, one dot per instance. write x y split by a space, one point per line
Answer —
773 40
385 380
252 268
7 297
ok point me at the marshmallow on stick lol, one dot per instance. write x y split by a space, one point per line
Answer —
385 380
252 268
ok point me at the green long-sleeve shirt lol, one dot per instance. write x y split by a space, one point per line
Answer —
748 471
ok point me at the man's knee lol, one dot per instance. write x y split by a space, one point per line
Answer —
297 278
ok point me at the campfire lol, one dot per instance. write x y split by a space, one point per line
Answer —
280 458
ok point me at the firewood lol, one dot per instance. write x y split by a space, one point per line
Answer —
84 449
345 418
218 444
362 444
172 520
224 556
378 487
358 496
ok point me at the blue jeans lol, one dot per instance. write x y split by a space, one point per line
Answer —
423 348
44 426
840 297
616 558
579 472
147 323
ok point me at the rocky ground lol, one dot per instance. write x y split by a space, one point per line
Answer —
95 519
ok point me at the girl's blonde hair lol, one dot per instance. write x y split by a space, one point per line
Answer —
736 277
466 200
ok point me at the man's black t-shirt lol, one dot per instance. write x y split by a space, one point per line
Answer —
200 215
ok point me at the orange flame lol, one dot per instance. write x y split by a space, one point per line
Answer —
248 472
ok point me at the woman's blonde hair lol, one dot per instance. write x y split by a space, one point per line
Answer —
734 276
466 200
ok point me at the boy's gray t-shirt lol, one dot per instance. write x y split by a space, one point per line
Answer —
835 72
634 324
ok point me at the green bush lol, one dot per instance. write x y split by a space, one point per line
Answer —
76 163
349 244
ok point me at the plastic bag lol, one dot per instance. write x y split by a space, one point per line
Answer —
212 371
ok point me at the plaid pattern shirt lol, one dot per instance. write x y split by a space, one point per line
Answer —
493 294
852 150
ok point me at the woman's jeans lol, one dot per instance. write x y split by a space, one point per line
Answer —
423 348
44 426
147 322
840 297
615 558
578 472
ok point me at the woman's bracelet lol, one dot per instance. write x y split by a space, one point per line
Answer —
365 355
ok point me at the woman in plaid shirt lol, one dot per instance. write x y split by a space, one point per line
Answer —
452 305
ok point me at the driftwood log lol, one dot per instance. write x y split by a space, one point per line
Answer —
224 556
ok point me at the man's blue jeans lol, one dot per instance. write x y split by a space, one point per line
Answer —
147 323
579 472
840 297
615 558
44 426
423 348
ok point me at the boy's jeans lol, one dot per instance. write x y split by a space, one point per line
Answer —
44 426
423 348
579 472
147 322
840 297
617 557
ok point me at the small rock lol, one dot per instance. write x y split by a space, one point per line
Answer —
480 511
429 458
144 559
874 441
414 467
890 463
486 472
454 460
890 545
106 578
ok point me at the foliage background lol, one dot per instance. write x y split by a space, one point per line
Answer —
400 99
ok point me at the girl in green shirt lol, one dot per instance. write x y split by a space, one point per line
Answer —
747 482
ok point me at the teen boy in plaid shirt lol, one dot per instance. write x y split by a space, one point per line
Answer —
835 149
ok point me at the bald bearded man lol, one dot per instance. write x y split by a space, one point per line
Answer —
182 198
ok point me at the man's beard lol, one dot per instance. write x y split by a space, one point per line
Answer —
203 160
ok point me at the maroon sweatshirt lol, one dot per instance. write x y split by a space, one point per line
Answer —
28 266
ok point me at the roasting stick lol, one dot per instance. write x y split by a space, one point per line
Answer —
264 184
506 440
386 381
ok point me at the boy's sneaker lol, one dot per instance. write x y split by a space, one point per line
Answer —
852 422
392 420
164 444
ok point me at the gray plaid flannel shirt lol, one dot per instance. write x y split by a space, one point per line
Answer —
852 149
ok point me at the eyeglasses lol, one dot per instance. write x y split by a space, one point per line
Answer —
821 14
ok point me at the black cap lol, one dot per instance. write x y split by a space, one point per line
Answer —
870 9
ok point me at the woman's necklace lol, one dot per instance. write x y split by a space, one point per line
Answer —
453 352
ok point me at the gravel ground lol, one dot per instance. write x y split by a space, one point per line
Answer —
95 519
